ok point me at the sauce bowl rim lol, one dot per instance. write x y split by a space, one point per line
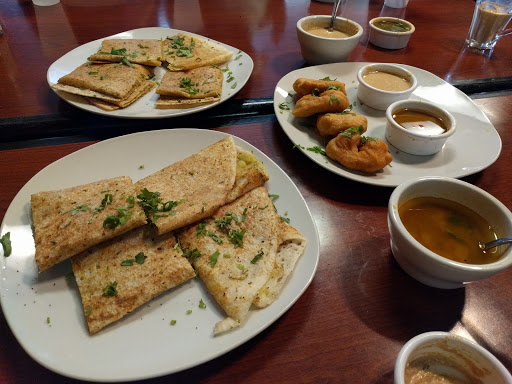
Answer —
391 33
377 66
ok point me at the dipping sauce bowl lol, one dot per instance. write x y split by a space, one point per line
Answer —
419 137
428 267
390 32
322 50
380 85
435 356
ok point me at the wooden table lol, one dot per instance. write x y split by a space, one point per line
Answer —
361 307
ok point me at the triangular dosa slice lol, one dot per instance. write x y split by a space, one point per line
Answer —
121 274
201 183
114 80
184 51
291 248
139 51
234 252
69 221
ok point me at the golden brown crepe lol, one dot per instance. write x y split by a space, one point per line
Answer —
115 85
139 51
183 52
201 183
190 88
234 252
69 221
121 274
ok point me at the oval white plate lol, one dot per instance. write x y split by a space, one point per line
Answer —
143 344
240 68
474 146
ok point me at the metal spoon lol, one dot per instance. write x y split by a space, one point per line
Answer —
494 243
334 13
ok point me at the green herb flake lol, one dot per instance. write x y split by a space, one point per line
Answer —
88 311
110 289
213 259
5 240
47 320
257 257
141 166
317 149
127 262
189 311
285 106
202 305
80 208
173 322
215 238
140 258
236 237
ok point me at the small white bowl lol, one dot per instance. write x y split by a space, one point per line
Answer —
390 39
416 143
378 98
322 50
452 355
428 267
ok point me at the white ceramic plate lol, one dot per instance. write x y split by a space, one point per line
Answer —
240 66
474 146
143 344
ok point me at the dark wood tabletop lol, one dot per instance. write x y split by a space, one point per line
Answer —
360 308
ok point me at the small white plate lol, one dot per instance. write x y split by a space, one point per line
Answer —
240 66
474 146
143 344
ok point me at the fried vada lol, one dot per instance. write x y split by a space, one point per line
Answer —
330 124
313 87
350 149
328 101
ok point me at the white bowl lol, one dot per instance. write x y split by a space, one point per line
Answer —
322 50
378 98
415 143
389 39
428 267
453 355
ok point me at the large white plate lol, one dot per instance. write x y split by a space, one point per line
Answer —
241 66
143 344
474 146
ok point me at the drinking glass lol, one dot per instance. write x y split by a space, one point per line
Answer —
489 21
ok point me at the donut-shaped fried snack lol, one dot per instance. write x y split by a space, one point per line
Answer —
313 87
330 124
328 101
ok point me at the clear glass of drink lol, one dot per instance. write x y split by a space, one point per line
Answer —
489 21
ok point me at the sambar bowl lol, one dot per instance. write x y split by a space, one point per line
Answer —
428 267
323 50
438 354
391 38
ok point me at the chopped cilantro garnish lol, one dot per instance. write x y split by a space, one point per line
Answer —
215 238
153 206
114 221
202 305
236 237
140 257
126 62
285 219
173 322
257 257
213 259
189 312
193 254
317 149
284 106
110 289
333 98
327 79
80 208
127 262
88 311
5 240
188 87
201 229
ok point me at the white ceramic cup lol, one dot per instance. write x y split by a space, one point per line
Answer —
453 355
428 267
45 3
322 50
396 3
415 143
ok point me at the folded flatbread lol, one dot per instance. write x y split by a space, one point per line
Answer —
139 51
195 187
114 85
234 252
121 274
182 52
68 221
190 88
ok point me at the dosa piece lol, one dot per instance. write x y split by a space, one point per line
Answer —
234 252
328 101
68 221
139 51
350 149
292 245
330 124
195 187
303 86
190 88
183 52
115 85
119 275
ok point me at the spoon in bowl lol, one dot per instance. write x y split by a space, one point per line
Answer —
494 243
334 13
